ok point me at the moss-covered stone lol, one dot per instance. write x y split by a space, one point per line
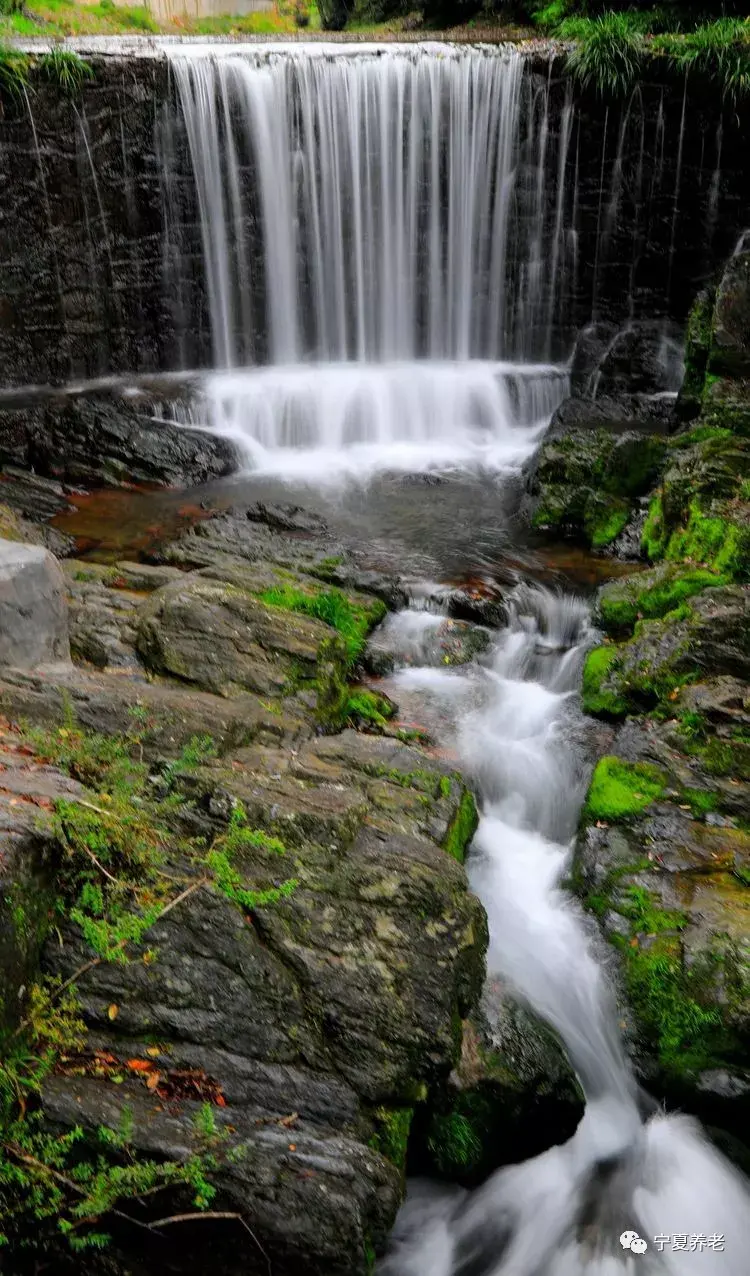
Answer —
620 790
650 595
586 480
597 697
462 827
391 1135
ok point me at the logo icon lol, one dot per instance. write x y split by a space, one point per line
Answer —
633 1242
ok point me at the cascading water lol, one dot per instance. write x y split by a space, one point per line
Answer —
519 732
390 244
384 220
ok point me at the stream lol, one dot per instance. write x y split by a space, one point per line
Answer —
629 1170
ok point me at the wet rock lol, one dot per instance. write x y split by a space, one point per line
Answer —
285 536
671 892
707 636
222 638
422 638
103 441
592 342
584 481
730 350
103 625
29 858
512 1095
33 612
322 1018
643 358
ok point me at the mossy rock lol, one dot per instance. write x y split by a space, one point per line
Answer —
669 892
649 595
512 1094
587 480
730 344
707 634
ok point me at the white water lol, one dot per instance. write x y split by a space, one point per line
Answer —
518 731
320 422
375 229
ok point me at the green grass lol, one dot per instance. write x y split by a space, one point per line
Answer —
608 54
621 790
66 69
717 51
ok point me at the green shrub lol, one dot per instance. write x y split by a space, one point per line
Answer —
719 51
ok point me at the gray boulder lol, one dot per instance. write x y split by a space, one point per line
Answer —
33 608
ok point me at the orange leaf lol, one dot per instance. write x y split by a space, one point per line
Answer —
113 1011
153 1081
140 1065
220 1101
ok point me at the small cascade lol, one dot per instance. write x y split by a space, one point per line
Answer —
516 726
322 421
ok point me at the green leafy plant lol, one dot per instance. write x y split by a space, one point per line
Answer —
351 620
608 54
66 69
14 73
719 51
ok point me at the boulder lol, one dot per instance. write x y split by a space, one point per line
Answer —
667 877
705 635
639 359
33 610
100 440
730 350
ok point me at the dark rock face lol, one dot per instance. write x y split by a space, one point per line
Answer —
102 260
108 440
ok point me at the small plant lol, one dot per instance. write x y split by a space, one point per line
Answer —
66 69
14 73
608 54
719 51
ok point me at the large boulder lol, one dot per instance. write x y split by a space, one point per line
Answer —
102 440
33 610
730 352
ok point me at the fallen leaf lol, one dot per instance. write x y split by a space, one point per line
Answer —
153 1051
220 1101
153 1081
292 1147
139 1065
113 1011
289 1120
634 943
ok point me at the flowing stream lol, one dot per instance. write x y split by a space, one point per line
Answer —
519 733
389 246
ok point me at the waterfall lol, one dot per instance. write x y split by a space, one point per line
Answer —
377 234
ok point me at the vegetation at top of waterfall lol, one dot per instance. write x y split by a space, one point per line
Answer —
610 48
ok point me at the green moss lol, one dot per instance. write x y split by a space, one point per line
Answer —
698 346
445 786
462 827
595 697
353 621
700 801
391 1136
620 790
654 535
604 519
368 707
651 597
720 543
454 1144
687 1036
